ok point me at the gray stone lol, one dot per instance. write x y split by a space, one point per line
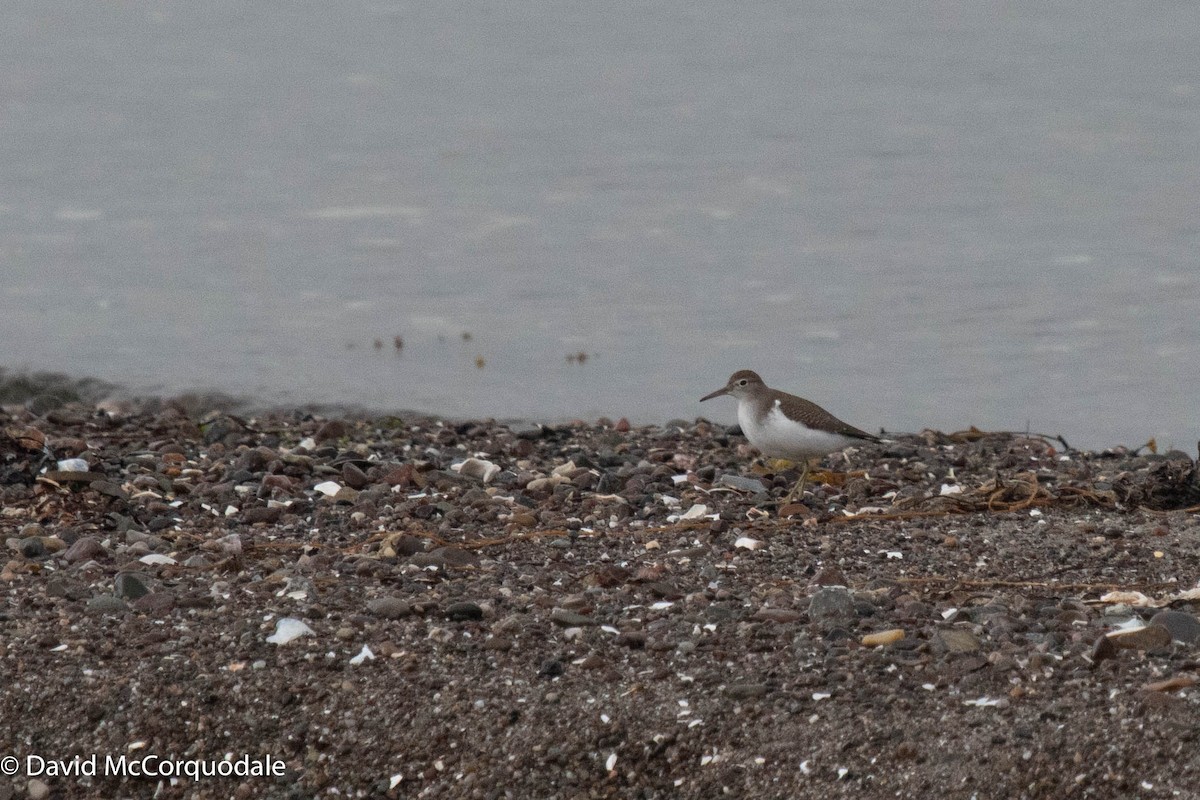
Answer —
832 605
130 585
1182 626
742 484
389 607
107 604
746 691
525 430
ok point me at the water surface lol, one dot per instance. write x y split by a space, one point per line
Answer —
916 214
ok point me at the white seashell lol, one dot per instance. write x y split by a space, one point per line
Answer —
287 629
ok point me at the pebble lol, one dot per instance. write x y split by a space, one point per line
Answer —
354 477
1182 626
635 640
746 691
957 640
570 619
832 605
742 484
446 557
478 469
86 548
155 603
551 669
1150 637
36 789
389 607
31 547
463 611
881 638
829 576
107 604
130 585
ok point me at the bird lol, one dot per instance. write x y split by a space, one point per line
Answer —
782 425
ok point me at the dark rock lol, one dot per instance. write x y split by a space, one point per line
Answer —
463 611
130 585
258 514
634 640
551 669
829 576
354 477
32 547
832 605
333 429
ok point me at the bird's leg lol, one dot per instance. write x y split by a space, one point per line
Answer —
798 488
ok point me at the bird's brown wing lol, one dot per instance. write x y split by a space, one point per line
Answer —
814 416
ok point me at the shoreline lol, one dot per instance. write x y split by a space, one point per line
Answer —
575 610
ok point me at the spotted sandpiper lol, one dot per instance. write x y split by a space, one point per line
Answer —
782 425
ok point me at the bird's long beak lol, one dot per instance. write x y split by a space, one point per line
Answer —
717 393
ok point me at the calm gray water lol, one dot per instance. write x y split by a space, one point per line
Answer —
916 214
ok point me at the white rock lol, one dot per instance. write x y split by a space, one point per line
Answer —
477 468
949 489
695 512
563 469
363 655
289 628
748 543
156 558
611 762
328 488
73 465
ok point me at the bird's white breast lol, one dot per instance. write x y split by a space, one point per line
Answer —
779 437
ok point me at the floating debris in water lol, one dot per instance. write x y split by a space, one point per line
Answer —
479 362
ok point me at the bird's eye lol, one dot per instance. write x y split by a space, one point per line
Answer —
742 382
